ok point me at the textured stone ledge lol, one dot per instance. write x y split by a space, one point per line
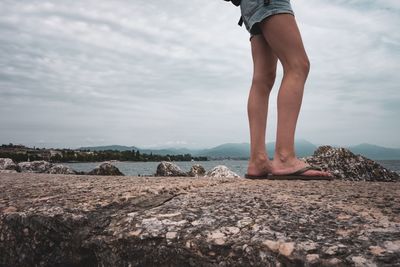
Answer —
68 220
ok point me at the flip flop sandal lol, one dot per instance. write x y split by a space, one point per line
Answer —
297 175
261 176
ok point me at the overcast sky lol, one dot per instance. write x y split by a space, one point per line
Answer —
177 73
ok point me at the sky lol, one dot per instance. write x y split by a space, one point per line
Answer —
177 73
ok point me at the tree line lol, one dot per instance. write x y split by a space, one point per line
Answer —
67 155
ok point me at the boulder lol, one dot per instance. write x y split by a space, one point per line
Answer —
197 170
61 169
106 168
346 165
7 164
222 171
166 168
39 166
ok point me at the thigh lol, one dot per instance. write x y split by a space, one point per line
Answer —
283 35
264 59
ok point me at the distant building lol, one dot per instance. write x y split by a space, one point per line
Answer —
53 153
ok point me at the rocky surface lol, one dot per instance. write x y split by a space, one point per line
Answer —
106 168
346 165
80 220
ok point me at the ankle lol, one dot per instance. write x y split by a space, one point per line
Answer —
284 156
259 157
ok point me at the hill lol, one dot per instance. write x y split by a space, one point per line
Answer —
242 150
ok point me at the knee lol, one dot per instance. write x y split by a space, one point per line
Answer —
299 67
264 80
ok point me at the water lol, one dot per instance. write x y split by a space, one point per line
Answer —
237 166
393 165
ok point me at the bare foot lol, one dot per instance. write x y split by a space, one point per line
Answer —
287 166
259 165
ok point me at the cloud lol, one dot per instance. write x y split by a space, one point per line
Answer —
142 73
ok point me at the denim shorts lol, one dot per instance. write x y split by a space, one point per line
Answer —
254 11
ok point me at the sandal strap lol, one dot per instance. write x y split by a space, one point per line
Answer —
309 167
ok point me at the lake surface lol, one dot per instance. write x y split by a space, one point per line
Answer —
150 168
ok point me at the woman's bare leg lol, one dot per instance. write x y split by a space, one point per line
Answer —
264 72
284 38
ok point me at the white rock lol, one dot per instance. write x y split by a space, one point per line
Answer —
222 171
38 166
61 169
7 164
392 245
171 235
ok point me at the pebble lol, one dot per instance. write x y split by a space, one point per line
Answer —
376 250
284 248
233 230
312 258
272 245
26 231
171 235
10 209
132 214
331 250
219 241
135 233
392 245
216 234
189 244
307 246
334 262
244 222
360 261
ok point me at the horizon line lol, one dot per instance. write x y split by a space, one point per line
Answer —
184 147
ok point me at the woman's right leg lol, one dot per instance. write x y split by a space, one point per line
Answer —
264 72
284 37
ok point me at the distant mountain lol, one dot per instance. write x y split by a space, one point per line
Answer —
376 152
228 150
242 150
110 147
231 150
